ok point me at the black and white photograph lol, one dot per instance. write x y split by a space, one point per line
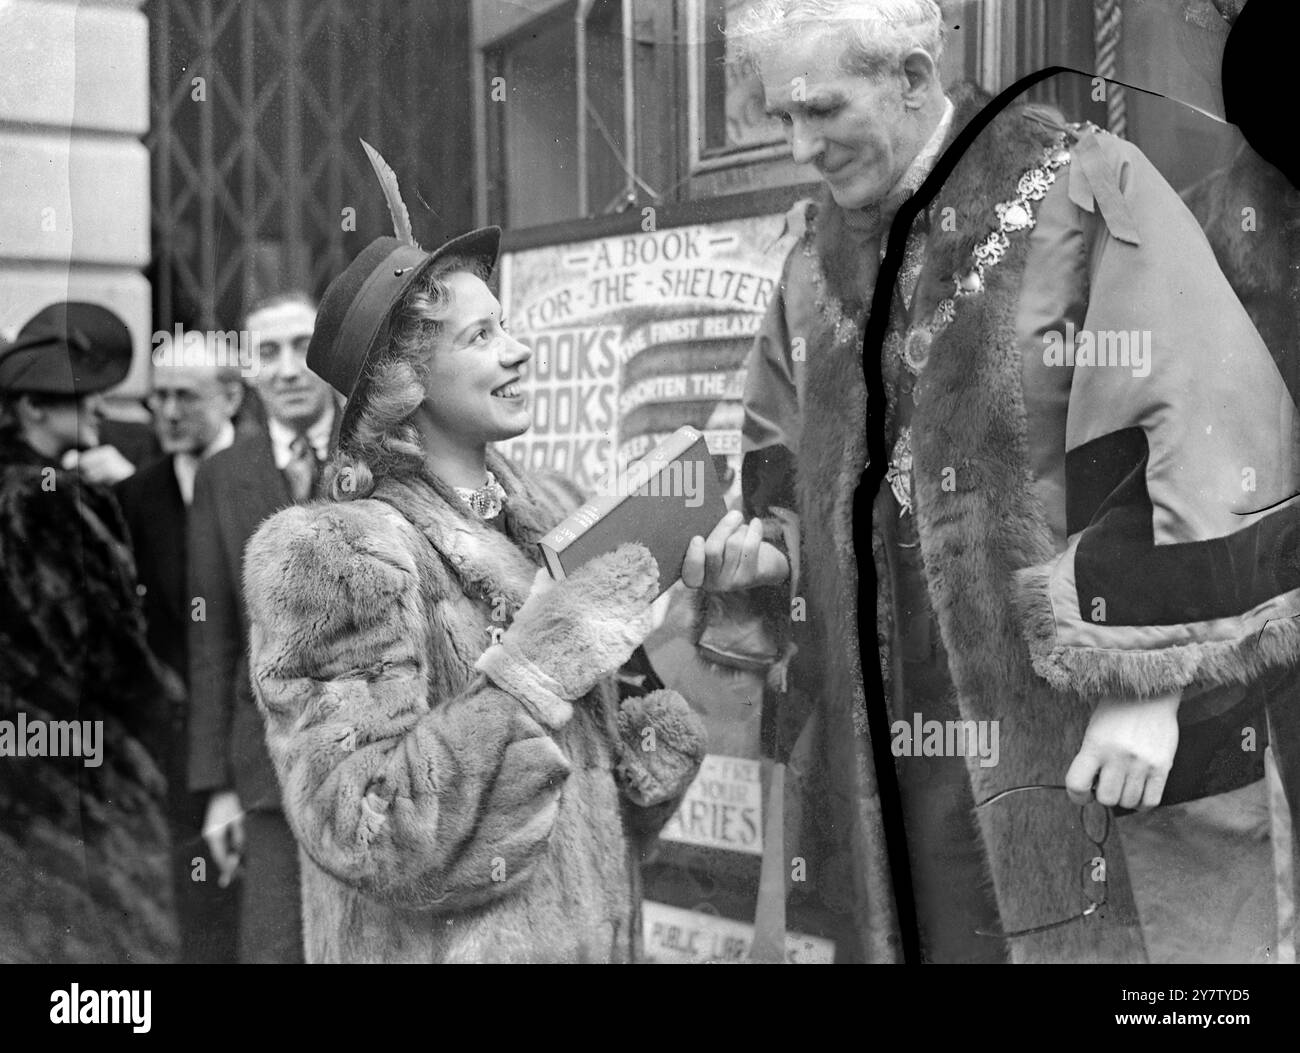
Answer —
650 482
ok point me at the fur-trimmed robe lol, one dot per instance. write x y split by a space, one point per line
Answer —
458 799
1071 485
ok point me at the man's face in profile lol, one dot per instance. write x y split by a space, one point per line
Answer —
852 129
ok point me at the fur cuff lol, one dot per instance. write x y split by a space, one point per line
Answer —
663 743
538 692
740 629
1141 661
750 630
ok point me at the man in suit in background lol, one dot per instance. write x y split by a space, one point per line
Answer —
234 491
193 406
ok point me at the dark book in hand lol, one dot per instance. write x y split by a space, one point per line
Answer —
661 501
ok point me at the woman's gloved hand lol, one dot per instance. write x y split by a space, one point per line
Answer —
581 629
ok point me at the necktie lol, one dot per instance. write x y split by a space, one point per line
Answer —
303 470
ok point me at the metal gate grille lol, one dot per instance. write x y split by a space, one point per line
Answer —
254 164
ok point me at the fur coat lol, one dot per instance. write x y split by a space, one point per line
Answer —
463 780
83 848
1040 489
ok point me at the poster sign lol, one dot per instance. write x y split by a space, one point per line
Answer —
634 336
723 807
683 937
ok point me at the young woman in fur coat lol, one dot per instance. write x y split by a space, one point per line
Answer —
463 779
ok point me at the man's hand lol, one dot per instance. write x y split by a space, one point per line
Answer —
733 557
1128 750
103 465
223 830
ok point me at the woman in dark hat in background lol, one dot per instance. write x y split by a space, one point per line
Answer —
83 864
463 779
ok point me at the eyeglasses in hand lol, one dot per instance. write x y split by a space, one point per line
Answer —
1092 872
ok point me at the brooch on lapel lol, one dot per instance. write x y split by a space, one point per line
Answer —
487 500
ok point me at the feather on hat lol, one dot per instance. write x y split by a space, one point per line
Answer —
356 312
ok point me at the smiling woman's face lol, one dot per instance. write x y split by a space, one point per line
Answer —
472 390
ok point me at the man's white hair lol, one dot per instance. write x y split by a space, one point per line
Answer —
878 33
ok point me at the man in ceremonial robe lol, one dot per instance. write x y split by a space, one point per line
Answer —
1086 530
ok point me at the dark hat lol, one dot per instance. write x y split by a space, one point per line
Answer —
356 311
70 349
